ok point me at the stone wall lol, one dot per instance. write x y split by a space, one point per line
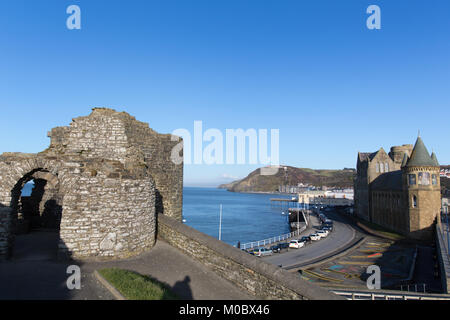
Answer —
107 217
263 280
118 136
5 232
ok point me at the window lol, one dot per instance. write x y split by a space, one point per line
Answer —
424 178
434 179
386 167
378 167
414 202
381 167
411 179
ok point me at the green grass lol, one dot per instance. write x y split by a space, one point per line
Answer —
135 286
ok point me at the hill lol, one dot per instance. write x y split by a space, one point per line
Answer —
286 175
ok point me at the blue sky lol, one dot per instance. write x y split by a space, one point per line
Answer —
311 69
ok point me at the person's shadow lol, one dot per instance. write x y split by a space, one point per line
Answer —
183 289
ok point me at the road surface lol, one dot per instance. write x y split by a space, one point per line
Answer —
342 236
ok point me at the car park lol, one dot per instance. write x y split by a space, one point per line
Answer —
260 252
296 244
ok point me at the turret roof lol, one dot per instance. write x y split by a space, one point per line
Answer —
433 156
420 155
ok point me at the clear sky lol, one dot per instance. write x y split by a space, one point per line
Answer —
311 69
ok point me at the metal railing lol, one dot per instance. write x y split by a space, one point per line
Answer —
388 296
445 232
253 244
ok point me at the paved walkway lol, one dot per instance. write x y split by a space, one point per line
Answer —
31 276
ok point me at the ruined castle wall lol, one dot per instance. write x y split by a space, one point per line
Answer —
168 176
5 232
118 136
107 217
94 136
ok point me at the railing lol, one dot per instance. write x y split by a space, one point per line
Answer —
445 232
265 242
388 296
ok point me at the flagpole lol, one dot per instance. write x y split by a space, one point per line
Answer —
220 223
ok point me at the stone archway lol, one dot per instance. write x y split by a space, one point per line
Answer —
36 218
22 215
40 210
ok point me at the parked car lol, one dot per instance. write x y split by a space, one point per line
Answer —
261 252
283 245
275 248
314 237
296 244
329 229
322 233
305 239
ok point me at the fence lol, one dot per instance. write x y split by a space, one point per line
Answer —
445 232
250 245
388 296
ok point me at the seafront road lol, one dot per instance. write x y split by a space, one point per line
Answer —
342 237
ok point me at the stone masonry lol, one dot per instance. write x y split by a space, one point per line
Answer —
103 180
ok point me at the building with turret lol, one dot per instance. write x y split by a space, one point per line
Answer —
400 190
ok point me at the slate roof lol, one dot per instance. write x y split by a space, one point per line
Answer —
388 181
433 156
364 156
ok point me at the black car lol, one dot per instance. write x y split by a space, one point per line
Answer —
283 245
275 248
305 239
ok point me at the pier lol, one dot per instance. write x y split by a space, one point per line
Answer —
283 201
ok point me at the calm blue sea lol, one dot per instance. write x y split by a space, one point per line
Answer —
245 217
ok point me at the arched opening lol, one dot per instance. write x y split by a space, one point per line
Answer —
37 211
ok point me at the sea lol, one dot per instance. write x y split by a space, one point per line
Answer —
246 217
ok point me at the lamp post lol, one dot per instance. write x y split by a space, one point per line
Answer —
220 223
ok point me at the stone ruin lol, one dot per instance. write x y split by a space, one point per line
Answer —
101 184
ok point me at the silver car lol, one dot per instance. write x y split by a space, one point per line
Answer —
261 252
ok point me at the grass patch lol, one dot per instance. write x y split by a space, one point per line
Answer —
135 286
